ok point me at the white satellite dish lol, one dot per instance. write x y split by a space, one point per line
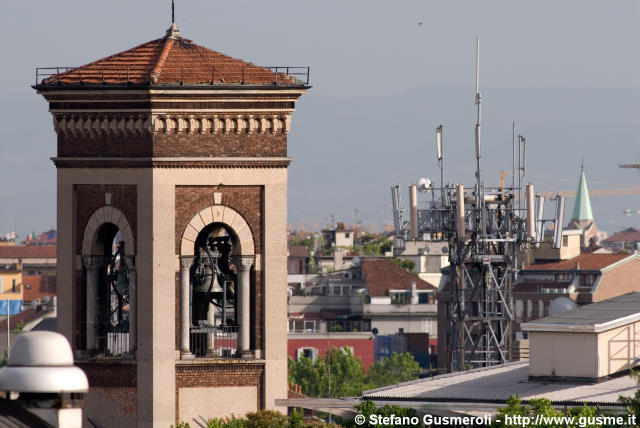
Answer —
423 185
561 304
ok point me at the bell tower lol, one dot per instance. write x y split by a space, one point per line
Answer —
172 191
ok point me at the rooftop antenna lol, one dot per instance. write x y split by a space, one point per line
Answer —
173 12
479 191
478 103
440 158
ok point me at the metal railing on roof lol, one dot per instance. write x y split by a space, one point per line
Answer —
300 73
282 75
43 73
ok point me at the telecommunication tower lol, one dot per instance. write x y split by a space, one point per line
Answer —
486 229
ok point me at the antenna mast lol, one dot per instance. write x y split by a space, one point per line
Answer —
173 12
485 233
478 103
480 220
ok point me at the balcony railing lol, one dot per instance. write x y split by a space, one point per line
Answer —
114 344
110 341
214 341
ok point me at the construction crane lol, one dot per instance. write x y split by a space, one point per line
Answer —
630 165
635 190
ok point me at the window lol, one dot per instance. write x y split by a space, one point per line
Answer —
565 241
587 279
400 297
426 298
310 326
346 235
311 353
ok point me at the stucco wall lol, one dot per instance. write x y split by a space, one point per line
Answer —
618 349
197 404
559 354
618 280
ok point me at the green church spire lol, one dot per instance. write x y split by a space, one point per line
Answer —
582 207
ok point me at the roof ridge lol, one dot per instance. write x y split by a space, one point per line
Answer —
157 69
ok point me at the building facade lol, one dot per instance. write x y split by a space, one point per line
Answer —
172 185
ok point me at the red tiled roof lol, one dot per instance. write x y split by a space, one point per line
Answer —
586 261
28 252
169 60
629 235
381 275
298 251
39 286
25 317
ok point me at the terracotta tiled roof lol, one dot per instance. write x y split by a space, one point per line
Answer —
582 262
298 251
169 60
39 286
26 316
381 275
28 252
629 235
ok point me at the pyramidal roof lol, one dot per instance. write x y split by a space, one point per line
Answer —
582 207
166 61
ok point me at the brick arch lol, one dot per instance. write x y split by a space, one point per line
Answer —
101 216
218 214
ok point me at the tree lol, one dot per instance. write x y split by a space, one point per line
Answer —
368 408
633 403
338 374
311 377
512 415
407 265
394 369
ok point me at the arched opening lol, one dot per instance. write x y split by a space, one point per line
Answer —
214 302
110 284
217 252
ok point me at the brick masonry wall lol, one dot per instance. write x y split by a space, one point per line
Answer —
105 146
112 394
175 145
90 197
257 314
80 310
246 200
220 374
110 374
109 407
220 145
249 202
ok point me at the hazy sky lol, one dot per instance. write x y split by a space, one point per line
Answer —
364 55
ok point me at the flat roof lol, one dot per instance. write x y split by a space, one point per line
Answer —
497 384
594 318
